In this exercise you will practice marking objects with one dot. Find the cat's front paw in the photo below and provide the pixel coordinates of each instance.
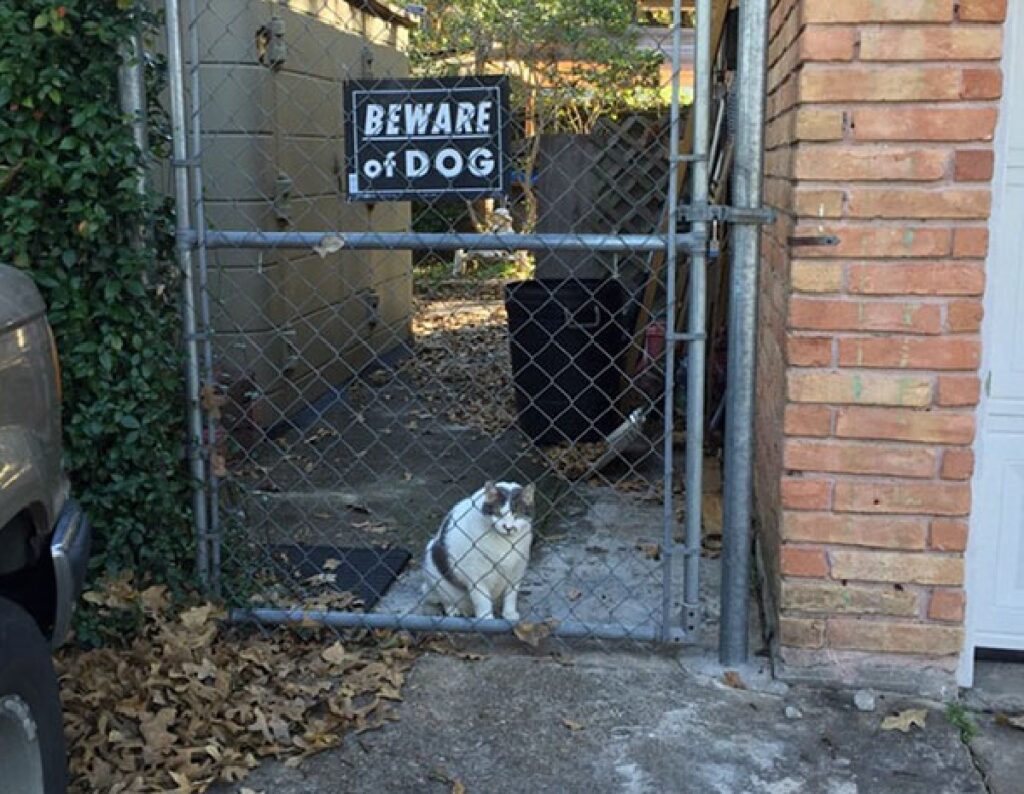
(511, 615)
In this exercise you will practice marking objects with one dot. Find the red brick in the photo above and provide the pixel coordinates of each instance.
(894, 496)
(896, 566)
(964, 316)
(835, 598)
(884, 637)
(849, 458)
(854, 315)
(809, 351)
(970, 241)
(876, 163)
(827, 43)
(862, 388)
(901, 425)
(982, 84)
(875, 11)
(854, 530)
(947, 605)
(911, 43)
(932, 278)
(957, 464)
(806, 562)
(910, 353)
(973, 165)
(808, 420)
(814, 277)
(826, 83)
(801, 632)
(923, 124)
(956, 390)
(873, 241)
(805, 494)
(982, 10)
(815, 124)
(948, 534)
(818, 203)
(917, 203)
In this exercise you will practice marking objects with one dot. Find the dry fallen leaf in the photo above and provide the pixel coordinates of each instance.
(732, 678)
(652, 551)
(534, 633)
(189, 703)
(903, 720)
(1010, 721)
(457, 787)
(335, 654)
(574, 594)
(572, 725)
(196, 617)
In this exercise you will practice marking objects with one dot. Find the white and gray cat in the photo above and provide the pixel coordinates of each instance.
(476, 561)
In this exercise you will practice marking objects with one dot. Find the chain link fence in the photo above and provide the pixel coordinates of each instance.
(434, 313)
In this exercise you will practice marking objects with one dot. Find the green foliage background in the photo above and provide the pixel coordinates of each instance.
(68, 205)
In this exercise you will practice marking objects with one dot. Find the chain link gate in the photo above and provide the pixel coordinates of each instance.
(358, 365)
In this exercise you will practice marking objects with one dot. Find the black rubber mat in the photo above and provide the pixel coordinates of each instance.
(367, 572)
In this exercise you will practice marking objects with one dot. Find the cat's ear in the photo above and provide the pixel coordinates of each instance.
(528, 494)
(492, 499)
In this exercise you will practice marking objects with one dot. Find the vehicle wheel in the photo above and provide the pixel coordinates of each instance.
(32, 755)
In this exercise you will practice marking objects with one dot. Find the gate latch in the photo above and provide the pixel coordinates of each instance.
(721, 213)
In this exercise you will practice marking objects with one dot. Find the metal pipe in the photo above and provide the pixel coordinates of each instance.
(697, 317)
(183, 239)
(204, 293)
(671, 259)
(365, 620)
(746, 241)
(337, 240)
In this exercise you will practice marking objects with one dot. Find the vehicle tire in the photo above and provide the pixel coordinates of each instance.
(33, 759)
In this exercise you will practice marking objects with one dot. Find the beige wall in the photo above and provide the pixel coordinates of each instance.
(289, 324)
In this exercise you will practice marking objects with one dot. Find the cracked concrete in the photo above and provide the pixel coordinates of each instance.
(636, 723)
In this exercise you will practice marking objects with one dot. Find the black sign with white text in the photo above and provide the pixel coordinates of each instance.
(442, 136)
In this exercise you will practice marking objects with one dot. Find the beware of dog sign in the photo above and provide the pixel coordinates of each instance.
(444, 136)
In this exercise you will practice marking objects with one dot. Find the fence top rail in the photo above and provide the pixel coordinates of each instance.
(331, 241)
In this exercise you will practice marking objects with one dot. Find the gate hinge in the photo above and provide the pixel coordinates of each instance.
(271, 48)
(721, 213)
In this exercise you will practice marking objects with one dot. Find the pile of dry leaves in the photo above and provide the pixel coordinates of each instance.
(189, 702)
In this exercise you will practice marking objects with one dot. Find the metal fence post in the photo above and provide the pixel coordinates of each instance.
(697, 316)
(203, 285)
(183, 227)
(671, 258)
(746, 190)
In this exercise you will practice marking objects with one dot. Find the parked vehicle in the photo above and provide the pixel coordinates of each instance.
(44, 544)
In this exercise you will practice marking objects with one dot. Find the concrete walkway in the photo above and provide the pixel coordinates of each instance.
(636, 723)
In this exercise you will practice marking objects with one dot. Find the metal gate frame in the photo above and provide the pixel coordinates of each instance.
(194, 241)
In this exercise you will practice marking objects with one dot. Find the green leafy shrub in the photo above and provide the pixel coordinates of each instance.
(68, 205)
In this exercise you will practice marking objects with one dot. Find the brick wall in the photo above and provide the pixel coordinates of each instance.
(881, 115)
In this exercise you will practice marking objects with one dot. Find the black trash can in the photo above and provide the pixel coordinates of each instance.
(566, 338)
